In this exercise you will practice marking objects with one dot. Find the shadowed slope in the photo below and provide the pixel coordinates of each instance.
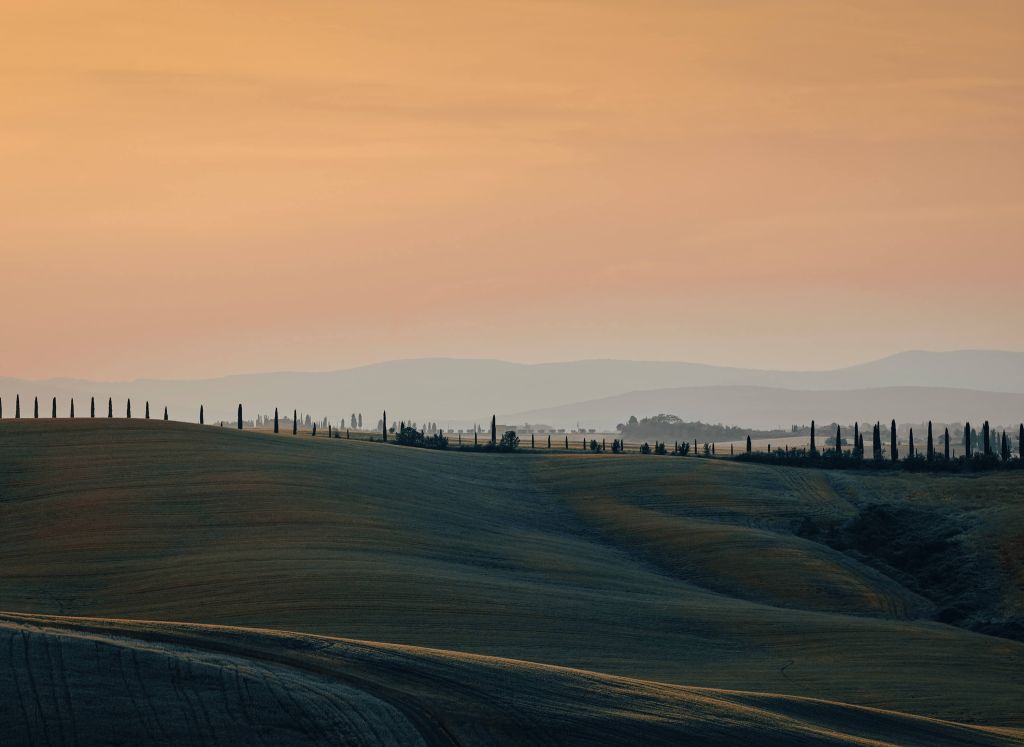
(487, 554)
(90, 681)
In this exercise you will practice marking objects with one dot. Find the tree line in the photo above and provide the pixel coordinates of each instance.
(987, 449)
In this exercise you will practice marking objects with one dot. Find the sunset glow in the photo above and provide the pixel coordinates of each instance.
(200, 188)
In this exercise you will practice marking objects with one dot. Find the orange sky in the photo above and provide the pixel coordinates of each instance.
(196, 188)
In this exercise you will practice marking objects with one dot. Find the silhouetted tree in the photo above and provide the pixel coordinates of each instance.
(361, 420)
(147, 409)
(945, 452)
(967, 439)
(35, 407)
(986, 441)
(814, 447)
(509, 441)
(839, 440)
(930, 446)
(239, 416)
(110, 407)
(384, 425)
(72, 408)
(566, 443)
(750, 448)
(1020, 443)
(128, 412)
(53, 413)
(295, 422)
(17, 406)
(549, 440)
(494, 431)
(894, 451)
(165, 413)
(532, 445)
(910, 445)
(876, 442)
(856, 437)
(314, 430)
(200, 414)
(1005, 450)
(92, 407)
(275, 420)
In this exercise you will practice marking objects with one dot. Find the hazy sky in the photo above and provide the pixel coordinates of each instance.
(194, 188)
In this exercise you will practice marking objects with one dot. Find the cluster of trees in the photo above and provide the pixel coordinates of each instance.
(407, 435)
(671, 427)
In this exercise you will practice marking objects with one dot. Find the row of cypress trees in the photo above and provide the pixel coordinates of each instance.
(987, 448)
(71, 410)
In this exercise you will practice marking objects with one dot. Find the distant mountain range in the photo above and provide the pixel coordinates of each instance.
(767, 408)
(596, 393)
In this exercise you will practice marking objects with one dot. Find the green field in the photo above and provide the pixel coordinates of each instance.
(888, 591)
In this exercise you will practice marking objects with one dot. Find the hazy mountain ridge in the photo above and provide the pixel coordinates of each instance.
(459, 391)
(774, 408)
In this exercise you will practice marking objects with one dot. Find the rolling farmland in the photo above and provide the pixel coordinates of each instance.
(636, 589)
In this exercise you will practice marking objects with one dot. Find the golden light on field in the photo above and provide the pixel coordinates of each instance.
(196, 188)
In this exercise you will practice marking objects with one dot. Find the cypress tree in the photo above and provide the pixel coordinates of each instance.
(986, 439)
(314, 430)
(328, 430)
(53, 413)
(275, 420)
(1, 408)
(856, 436)
(384, 425)
(110, 407)
(946, 449)
(532, 444)
(930, 444)
(910, 445)
(475, 440)
(1005, 448)
(894, 451)
(147, 409)
(129, 411)
(92, 407)
(35, 407)
(967, 439)
(295, 422)
(165, 412)
(17, 405)
(549, 440)
(494, 431)
(749, 447)
(239, 416)
(200, 415)
(72, 408)
(839, 441)
(1020, 443)
(814, 448)
(566, 443)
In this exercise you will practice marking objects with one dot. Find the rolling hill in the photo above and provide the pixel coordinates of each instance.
(876, 591)
(164, 683)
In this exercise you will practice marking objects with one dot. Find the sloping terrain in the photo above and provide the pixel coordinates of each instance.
(685, 571)
(90, 681)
